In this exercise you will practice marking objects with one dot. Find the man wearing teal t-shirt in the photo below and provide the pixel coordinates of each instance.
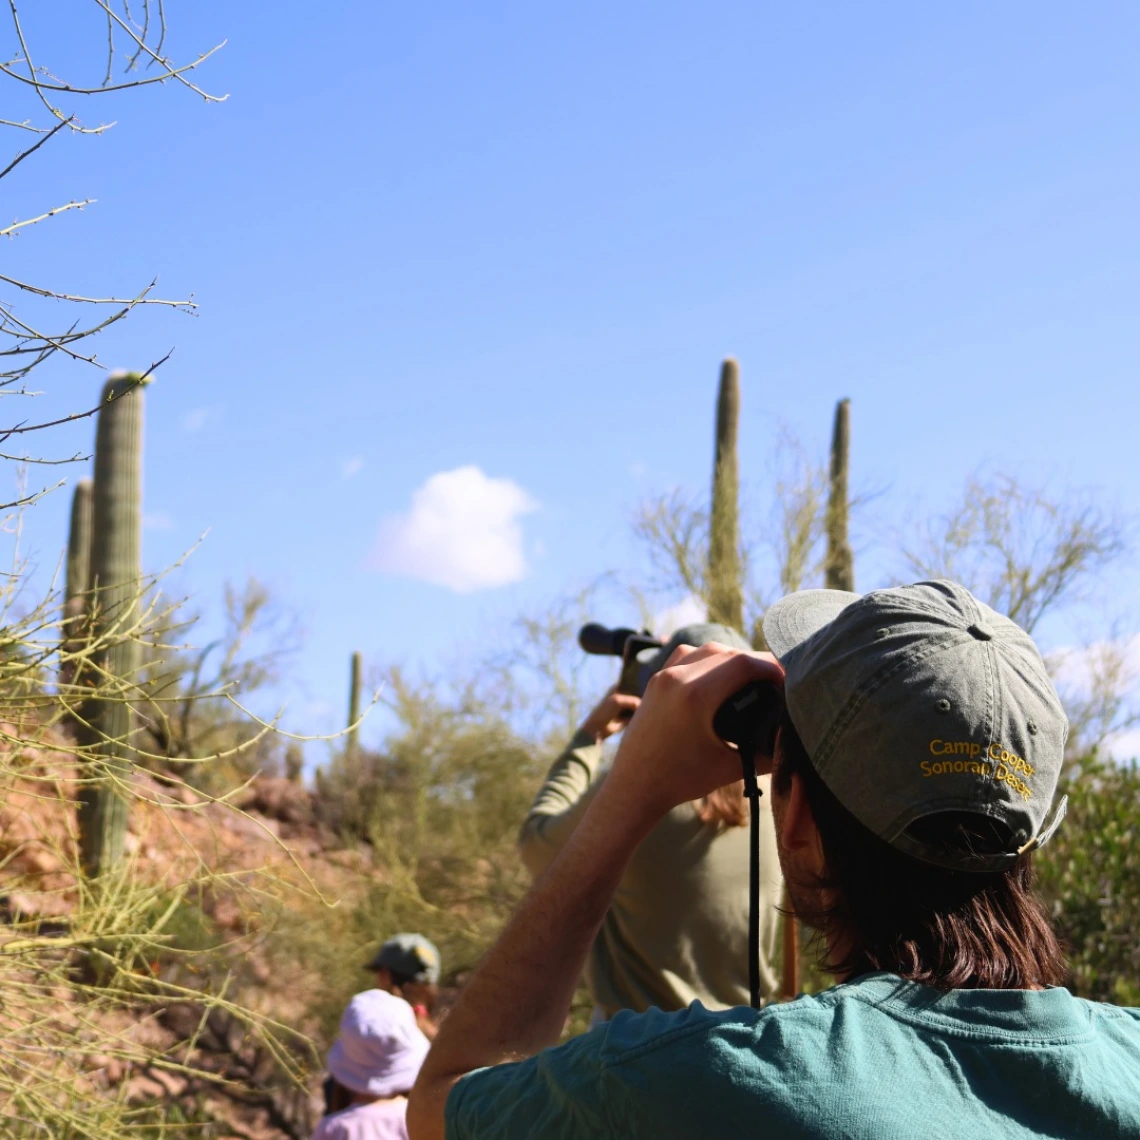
(913, 778)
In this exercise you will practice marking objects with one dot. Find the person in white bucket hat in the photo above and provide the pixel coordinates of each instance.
(375, 1061)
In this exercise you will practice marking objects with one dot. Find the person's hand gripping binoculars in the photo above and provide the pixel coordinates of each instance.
(707, 711)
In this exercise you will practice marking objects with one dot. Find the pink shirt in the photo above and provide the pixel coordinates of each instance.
(380, 1120)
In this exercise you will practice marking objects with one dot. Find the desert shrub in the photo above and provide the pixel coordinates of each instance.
(436, 813)
(1090, 875)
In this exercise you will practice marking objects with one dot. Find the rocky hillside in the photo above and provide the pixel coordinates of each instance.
(260, 866)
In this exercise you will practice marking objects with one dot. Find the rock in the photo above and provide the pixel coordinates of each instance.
(227, 913)
(29, 904)
(144, 1087)
(174, 1084)
(40, 860)
(279, 799)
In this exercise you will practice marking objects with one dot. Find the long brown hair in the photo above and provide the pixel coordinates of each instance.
(943, 928)
(725, 805)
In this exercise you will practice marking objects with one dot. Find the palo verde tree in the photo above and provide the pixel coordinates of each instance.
(1030, 553)
(192, 698)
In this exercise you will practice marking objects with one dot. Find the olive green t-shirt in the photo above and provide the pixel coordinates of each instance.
(677, 929)
(874, 1059)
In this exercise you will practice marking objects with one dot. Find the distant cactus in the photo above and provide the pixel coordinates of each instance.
(79, 541)
(114, 587)
(725, 585)
(75, 608)
(294, 763)
(353, 743)
(839, 571)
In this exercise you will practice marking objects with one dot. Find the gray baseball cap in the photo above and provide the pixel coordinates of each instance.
(411, 956)
(650, 661)
(918, 700)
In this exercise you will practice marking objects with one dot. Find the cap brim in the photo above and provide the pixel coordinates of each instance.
(792, 620)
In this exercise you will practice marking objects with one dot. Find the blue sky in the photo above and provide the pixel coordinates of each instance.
(514, 242)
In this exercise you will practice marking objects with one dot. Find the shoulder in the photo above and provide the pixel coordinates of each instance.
(1124, 1018)
(630, 1036)
(589, 1085)
(331, 1127)
(365, 1122)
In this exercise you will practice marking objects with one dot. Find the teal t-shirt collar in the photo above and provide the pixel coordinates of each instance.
(1021, 1015)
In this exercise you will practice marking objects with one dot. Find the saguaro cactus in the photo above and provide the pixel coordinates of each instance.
(114, 589)
(354, 704)
(75, 608)
(79, 542)
(839, 571)
(725, 588)
(294, 763)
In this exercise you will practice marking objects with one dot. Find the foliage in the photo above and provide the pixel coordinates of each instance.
(1098, 686)
(1090, 875)
(192, 701)
(84, 962)
(439, 806)
(453, 773)
(1021, 550)
(1030, 553)
(93, 970)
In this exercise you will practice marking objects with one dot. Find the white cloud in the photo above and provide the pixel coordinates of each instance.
(351, 467)
(195, 420)
(462, 531)
(638, 470)
(157, 520)
(688, 611)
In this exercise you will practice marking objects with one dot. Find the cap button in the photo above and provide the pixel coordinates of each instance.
(981, 631)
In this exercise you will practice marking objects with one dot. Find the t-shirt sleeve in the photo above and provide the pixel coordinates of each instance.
(593, 1086)
(558, 1095)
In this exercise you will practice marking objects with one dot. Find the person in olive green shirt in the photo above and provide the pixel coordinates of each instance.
(677, 929)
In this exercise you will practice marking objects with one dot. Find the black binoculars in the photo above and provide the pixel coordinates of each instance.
(748, 719)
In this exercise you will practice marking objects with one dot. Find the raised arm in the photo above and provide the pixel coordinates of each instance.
(516, 1002)
(571, 784)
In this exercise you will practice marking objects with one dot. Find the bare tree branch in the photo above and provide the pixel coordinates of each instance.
(1021, 550)
(23, 429)
(31, 339)
(35, 146)
(16, 226)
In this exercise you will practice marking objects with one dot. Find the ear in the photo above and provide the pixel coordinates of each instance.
(799, 836)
